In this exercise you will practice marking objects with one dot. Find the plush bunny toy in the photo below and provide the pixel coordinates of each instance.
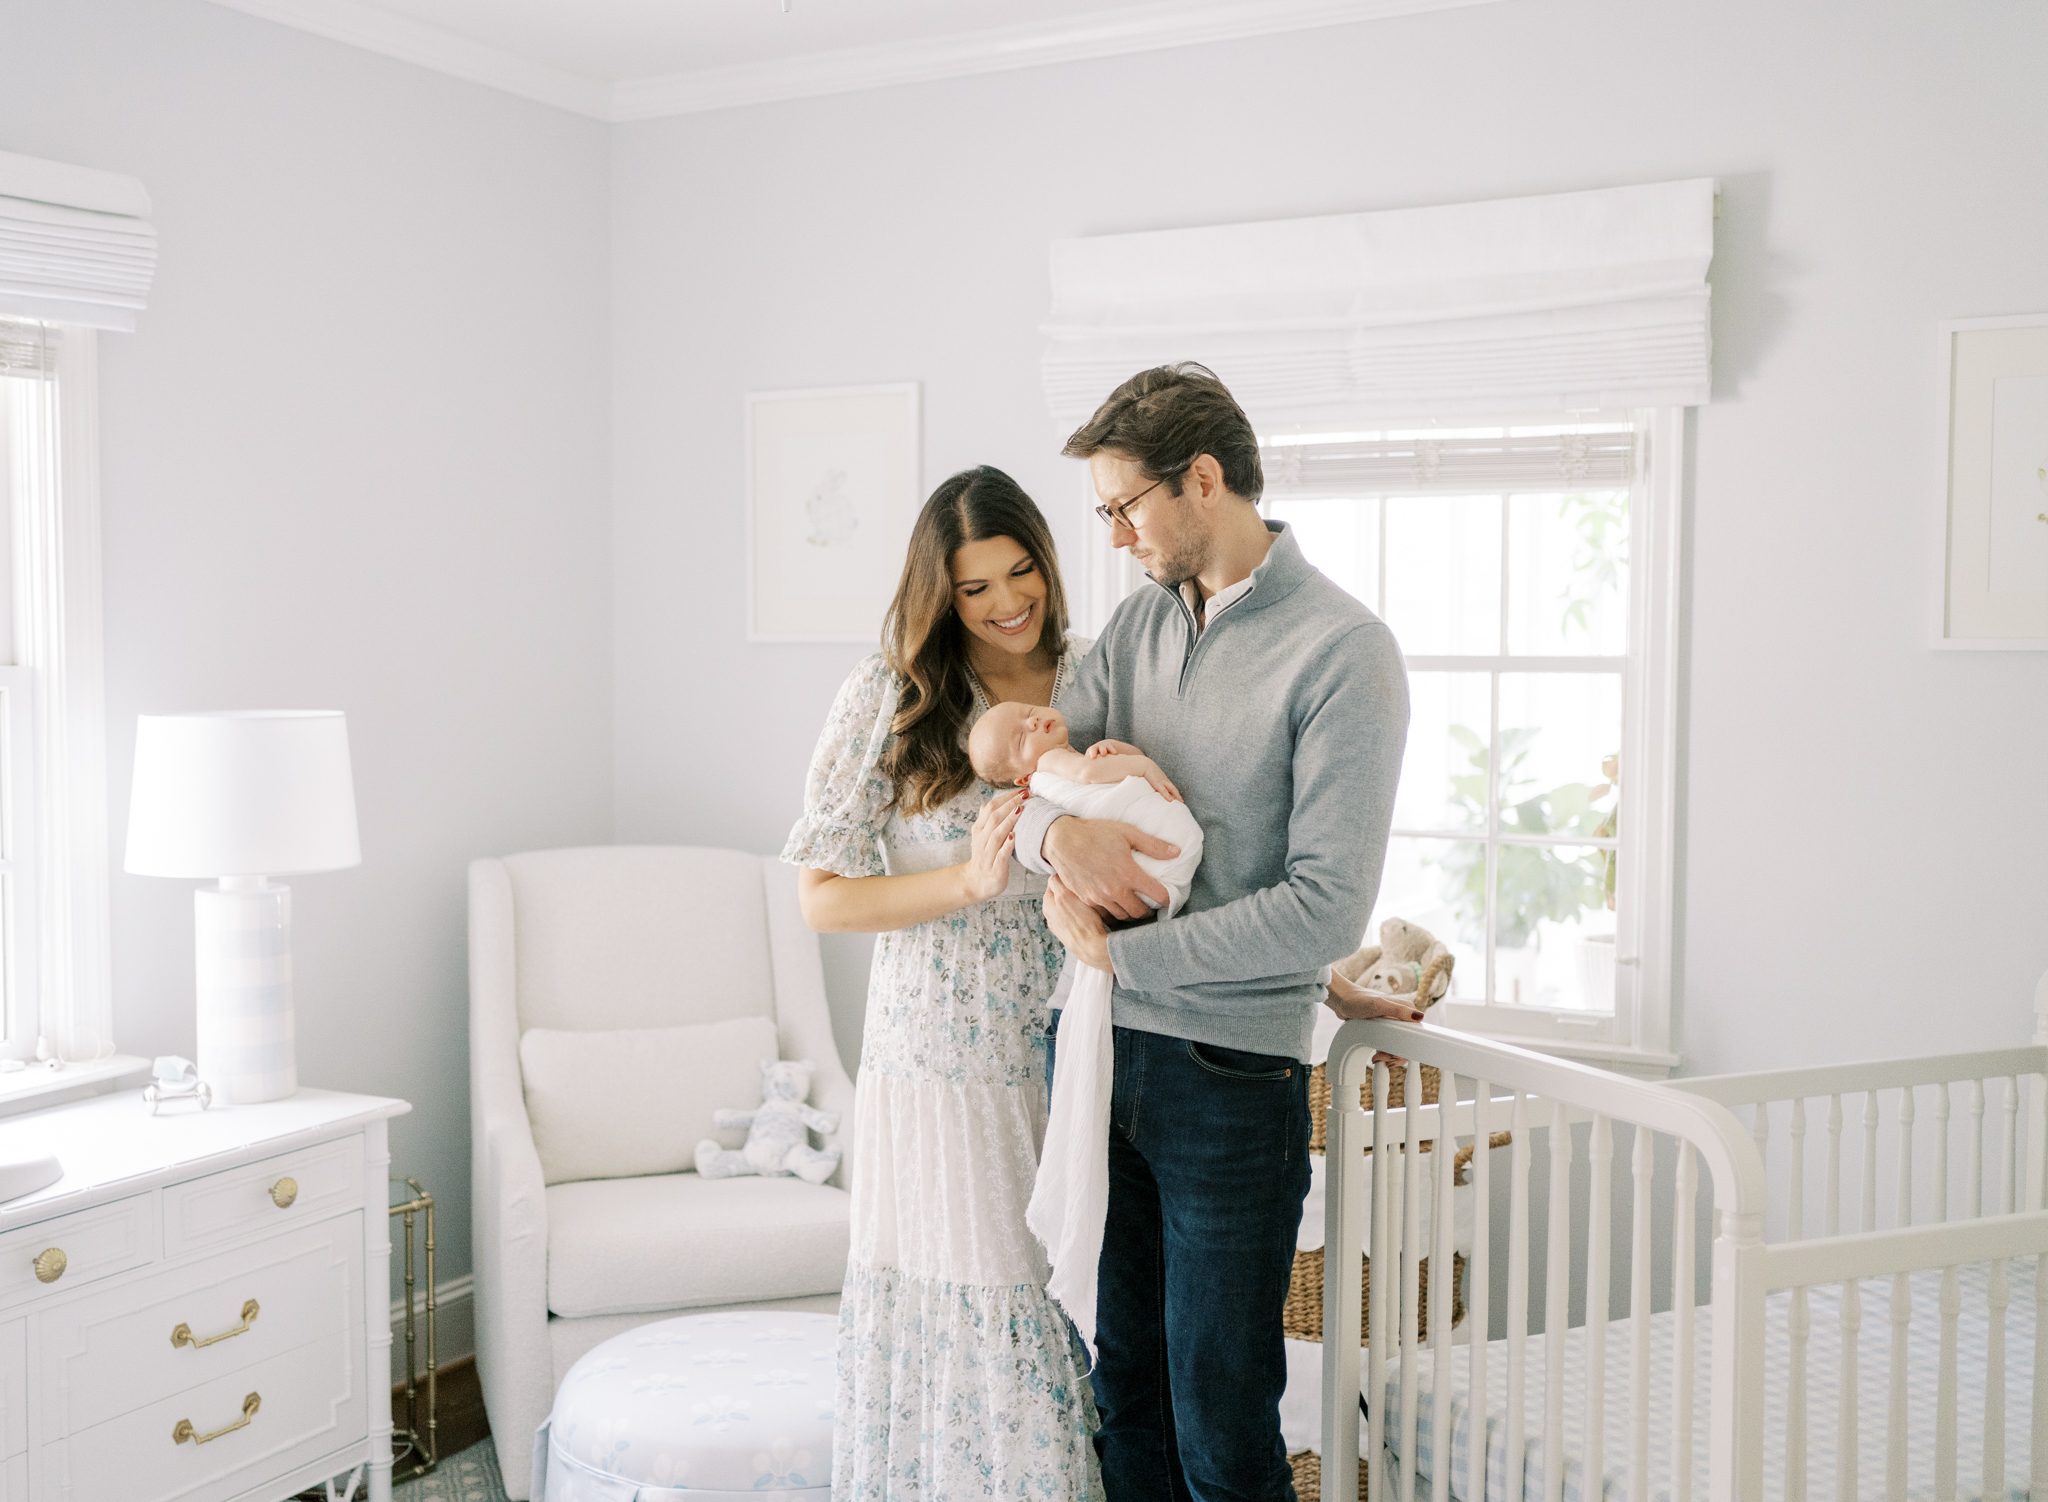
(777, 1142)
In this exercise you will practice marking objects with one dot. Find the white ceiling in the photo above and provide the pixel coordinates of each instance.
(635, 59)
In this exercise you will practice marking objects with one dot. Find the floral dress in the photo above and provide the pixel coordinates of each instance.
(959, 1377)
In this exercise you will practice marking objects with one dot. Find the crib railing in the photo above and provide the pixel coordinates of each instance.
(1989, 1213)
(1972, 1165)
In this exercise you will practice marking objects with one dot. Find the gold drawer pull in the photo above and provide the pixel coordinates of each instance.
(283, 1192)
(50, 1264)
(185, 1431)
(182, 1336)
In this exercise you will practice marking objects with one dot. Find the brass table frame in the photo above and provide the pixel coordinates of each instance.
(422, 1452)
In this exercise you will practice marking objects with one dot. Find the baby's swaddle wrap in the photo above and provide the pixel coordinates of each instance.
(1070, 1200)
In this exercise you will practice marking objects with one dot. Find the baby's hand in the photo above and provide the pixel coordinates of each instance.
(1113, 748)
(1161, 783)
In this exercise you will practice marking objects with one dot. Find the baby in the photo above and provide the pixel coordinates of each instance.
(1013, 741)
(1027, 745)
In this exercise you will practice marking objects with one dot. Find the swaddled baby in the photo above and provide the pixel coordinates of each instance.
(1025, 744)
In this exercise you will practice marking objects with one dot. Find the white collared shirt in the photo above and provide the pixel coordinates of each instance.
(1222, 600)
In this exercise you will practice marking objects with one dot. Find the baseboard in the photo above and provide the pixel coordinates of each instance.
(454, 1326)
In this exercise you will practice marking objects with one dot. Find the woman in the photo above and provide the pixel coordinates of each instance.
(958, 1377)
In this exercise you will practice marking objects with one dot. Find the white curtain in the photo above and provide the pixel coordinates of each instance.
(1523, 306)
(76, 245)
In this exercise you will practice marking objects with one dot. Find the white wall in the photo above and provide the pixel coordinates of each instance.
(356, 457)
(1845, 786)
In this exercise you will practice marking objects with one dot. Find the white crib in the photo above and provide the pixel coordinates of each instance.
(1903, 1361)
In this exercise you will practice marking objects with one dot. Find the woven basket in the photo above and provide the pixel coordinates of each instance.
(1308, 1475)
(1397, 1095)
(1302, 1316)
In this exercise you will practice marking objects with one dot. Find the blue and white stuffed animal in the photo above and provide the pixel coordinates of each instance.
(777, 1142)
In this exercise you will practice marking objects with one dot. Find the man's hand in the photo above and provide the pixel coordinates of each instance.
(1077, 925)
(1093, 859)
(1354, 1003)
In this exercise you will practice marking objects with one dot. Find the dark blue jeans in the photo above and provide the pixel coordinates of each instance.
(1208, 1167)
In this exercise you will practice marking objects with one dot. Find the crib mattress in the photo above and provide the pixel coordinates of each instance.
(1823, 1369)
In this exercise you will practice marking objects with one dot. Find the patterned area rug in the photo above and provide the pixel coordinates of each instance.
(471, 1476)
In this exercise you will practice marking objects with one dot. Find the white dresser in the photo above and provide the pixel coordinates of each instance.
(196, 1310)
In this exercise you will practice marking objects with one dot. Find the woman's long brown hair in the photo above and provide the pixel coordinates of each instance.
(926, 643)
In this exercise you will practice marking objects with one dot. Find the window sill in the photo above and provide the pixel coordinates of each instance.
(35, 1087)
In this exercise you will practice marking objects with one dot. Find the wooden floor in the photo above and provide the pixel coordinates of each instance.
(460, 1408)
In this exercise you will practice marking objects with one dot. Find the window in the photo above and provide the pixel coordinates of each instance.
(1528, 573)
(53, 882)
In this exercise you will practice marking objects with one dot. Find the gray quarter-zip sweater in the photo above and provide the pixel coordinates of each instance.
(1283, 725)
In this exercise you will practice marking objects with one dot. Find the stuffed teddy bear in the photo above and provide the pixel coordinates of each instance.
(1396, 965)
(777, 1143)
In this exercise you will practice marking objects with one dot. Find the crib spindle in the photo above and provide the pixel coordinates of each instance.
(1997, 1297)
(1798, 1318)
(1411, 1278)
(1895, 1415)
(1682, 1295)
(1945, 1391)
(1442, 1290)
(1831, 1211)
(1901, 1314)
(1639, 1317)
(1380, 1268)
(1516, 1459)
(2038, 1477)
(1941, 1154)
(1867, 1218)
(1477, 1309)
(1599, 1238)
(1847, 1433)
(2009, 1165)
(1557, 1314)
(1976, 1166)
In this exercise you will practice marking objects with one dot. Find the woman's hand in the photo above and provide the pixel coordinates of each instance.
(1354, 1003)
(987, 871)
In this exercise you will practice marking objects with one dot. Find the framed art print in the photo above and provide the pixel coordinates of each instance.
(832, 490)
(1995, 520)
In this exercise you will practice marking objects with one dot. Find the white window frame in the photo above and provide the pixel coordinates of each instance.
(1640, 1036)
(53, 806)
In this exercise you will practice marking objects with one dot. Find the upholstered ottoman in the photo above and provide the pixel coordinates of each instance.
(705, 1408)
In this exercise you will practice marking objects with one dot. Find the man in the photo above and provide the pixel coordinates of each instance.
(1279, 705)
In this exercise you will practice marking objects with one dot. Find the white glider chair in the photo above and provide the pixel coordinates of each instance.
(612, 938)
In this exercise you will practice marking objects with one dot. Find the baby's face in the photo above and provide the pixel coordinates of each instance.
(1006, 743)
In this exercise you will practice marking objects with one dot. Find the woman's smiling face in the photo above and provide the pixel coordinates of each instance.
(999, 594)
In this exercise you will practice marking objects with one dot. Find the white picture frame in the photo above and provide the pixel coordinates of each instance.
(833, 487)
(1994, 516)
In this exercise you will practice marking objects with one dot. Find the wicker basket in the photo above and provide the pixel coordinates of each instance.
(1302, 1317)
(1308, 1475)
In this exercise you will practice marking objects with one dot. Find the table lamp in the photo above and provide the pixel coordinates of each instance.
(243, 796)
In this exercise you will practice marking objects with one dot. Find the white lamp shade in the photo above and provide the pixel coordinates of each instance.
(243, 793)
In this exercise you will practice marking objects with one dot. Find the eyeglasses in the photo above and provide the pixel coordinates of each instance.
(1118, 514)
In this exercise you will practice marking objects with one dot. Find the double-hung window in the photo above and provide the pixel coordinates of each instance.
(1528, 572)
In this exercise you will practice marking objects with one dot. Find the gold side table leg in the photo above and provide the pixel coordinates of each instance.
(423, 1449)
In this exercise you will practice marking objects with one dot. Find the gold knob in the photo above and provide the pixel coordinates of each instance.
(283, 1192)
(50, 1264)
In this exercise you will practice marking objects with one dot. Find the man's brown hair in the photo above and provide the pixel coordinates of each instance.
(1165, 418)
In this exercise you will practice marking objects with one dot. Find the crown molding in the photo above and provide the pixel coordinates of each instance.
(381, 32)
(1107, 33)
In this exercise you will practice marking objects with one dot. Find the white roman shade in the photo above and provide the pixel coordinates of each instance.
(1346, 466)
(76, 244)
(1571, 302)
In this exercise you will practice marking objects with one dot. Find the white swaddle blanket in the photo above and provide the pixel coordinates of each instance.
(1070, 1200)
